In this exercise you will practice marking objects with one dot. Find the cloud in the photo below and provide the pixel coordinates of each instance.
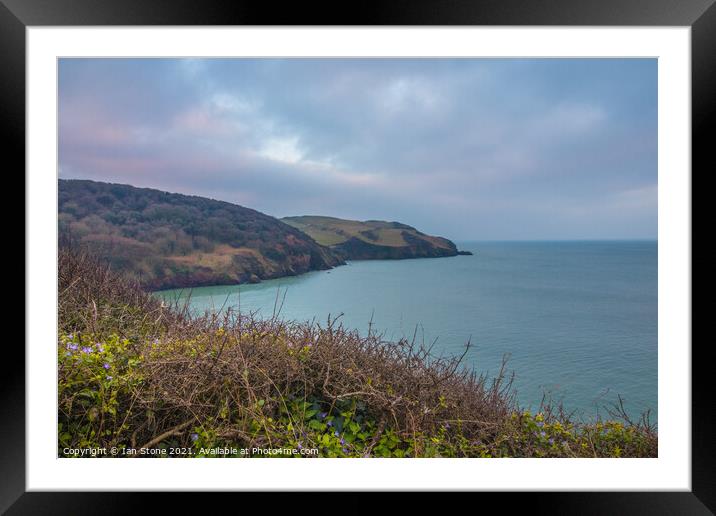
(405, 94)
(468, 148)
(285, 150)
(567, 120)
(642, 198)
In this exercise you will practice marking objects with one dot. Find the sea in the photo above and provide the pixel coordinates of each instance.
(576, 320)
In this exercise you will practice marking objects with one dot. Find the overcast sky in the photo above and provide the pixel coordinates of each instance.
(469, 149)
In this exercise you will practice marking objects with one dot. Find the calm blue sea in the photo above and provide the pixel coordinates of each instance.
(577, 319)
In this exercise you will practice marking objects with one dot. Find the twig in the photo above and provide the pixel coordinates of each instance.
(173, 431)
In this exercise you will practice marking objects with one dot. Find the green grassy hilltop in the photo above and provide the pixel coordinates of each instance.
(372, 239)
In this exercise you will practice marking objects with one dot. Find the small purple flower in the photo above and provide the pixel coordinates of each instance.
(542, 434)
(299, 446)
(194, 437)
(447, 426)
(540, 424)
(106, 365)
(99, 347)
(330, 423)
(322, 415)
(109, 377)
(551, 441)
(345, 450)
(336, 433)
(343, 441)
(86, 349)
(72, 347)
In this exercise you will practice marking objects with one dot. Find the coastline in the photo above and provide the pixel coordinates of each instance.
(262, 280)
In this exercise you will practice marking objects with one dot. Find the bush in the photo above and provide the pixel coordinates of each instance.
(136, 374)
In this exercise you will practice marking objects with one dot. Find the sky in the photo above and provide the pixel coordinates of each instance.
(469, 149)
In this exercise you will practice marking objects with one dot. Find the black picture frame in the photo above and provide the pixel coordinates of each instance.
(17, 15)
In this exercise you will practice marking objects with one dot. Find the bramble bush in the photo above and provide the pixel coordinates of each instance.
(134, 373)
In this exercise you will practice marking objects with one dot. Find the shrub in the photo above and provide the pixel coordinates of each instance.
(134, 373)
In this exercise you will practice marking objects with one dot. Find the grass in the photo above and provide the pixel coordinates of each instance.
(135, 375)
(330, 231)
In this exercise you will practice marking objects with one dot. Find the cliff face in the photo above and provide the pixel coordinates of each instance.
(171, 240)
(243, 268)
(357, 249)
(373, 239)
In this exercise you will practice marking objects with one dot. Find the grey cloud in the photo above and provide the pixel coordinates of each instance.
(468, 148)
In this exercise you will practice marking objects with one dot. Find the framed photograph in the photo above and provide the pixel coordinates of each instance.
(427, 248)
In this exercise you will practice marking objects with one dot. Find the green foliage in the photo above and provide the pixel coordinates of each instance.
(95, 380)
(101, 382)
